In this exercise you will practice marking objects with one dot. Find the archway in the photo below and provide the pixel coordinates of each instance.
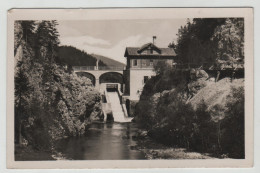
(111, 77)
(89, 76)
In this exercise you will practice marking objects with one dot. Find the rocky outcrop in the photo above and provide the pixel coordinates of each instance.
(189, 113)
(198, 81)
(215, 94)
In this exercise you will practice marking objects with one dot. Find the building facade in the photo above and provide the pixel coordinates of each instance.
(140, 66)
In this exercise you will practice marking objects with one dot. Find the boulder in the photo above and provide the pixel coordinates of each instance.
(201, 74)
(197, 74)
(196, 85)
(141, 134)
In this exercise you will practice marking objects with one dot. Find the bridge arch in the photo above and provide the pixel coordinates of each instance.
(111, 77)
(89, 76)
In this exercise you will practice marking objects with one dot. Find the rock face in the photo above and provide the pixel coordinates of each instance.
(214, 95)
(191, 110)
(141, 134)
(195, 86)
(201, 74)
(197, 74)
(198, 81)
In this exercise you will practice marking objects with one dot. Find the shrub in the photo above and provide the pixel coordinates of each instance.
(233, 135)
(171, 120)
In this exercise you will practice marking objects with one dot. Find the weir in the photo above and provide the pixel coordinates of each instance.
(116, 107)
(113, 105)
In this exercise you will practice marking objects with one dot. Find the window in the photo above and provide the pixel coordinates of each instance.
(146, 79)
(143, 62)
(151, 62)
(135, 62)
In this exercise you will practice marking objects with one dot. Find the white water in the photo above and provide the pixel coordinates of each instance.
(116, 107)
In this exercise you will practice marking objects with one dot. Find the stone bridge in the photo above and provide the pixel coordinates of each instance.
(96, 73)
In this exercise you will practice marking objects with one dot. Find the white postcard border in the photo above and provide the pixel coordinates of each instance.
(127, 14)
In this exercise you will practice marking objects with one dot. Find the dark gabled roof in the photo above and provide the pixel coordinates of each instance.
(137, 51)
(133, 51)
(149, 45)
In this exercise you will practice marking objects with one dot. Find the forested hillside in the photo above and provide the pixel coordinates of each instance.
(187, 108)
(108, 61)
(74, 57)
(50, 102)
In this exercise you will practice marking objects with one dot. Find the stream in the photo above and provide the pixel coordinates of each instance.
(103, 141)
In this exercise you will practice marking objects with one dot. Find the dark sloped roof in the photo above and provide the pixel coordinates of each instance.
(145, 45)
(149, 45)
(137, 51)
(133, 51)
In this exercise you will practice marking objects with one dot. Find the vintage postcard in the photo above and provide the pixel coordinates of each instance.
(130, 88)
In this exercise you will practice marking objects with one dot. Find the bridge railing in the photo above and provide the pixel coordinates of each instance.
(83, 67)
(114, 68)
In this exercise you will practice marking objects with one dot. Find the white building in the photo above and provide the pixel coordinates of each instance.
(140, 66)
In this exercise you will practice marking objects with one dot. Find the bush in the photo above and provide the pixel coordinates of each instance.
(233, 128)
(50, 101)
(170, 119)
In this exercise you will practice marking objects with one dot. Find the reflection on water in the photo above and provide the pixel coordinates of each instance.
(110, 141)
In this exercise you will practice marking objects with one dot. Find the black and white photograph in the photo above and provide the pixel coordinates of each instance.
(139, 88)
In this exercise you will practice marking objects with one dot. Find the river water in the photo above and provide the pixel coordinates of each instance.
(103, 141)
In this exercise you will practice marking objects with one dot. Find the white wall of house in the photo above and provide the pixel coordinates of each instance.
(137, 81)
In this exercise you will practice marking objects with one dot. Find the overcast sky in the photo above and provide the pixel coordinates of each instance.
(111, 37)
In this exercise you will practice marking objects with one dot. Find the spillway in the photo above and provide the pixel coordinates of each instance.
(117, 108)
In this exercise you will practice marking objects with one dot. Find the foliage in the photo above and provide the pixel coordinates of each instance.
(171, 119)
(50, 102)
(209, 40)
(230, 40)
(166, 79)
(161, 67)
(233, 124)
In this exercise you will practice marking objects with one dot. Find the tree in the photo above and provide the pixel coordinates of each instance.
(50, 101)
(24, 35)
(230, 40)
(233, 138)
(207, 40)
(47, 41)
(72, 56)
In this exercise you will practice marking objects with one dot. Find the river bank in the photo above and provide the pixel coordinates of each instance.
(155, 150)
(108, 141)
(27, 153)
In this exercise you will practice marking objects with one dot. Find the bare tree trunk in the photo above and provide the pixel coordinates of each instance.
(19, 120)
(203, 144)
(20, 133)
(219, 136)
(18, 45)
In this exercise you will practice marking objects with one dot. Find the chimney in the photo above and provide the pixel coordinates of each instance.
(154, 37)
(97, 62)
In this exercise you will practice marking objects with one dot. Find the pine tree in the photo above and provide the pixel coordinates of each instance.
(209, 40)
(24, 35)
